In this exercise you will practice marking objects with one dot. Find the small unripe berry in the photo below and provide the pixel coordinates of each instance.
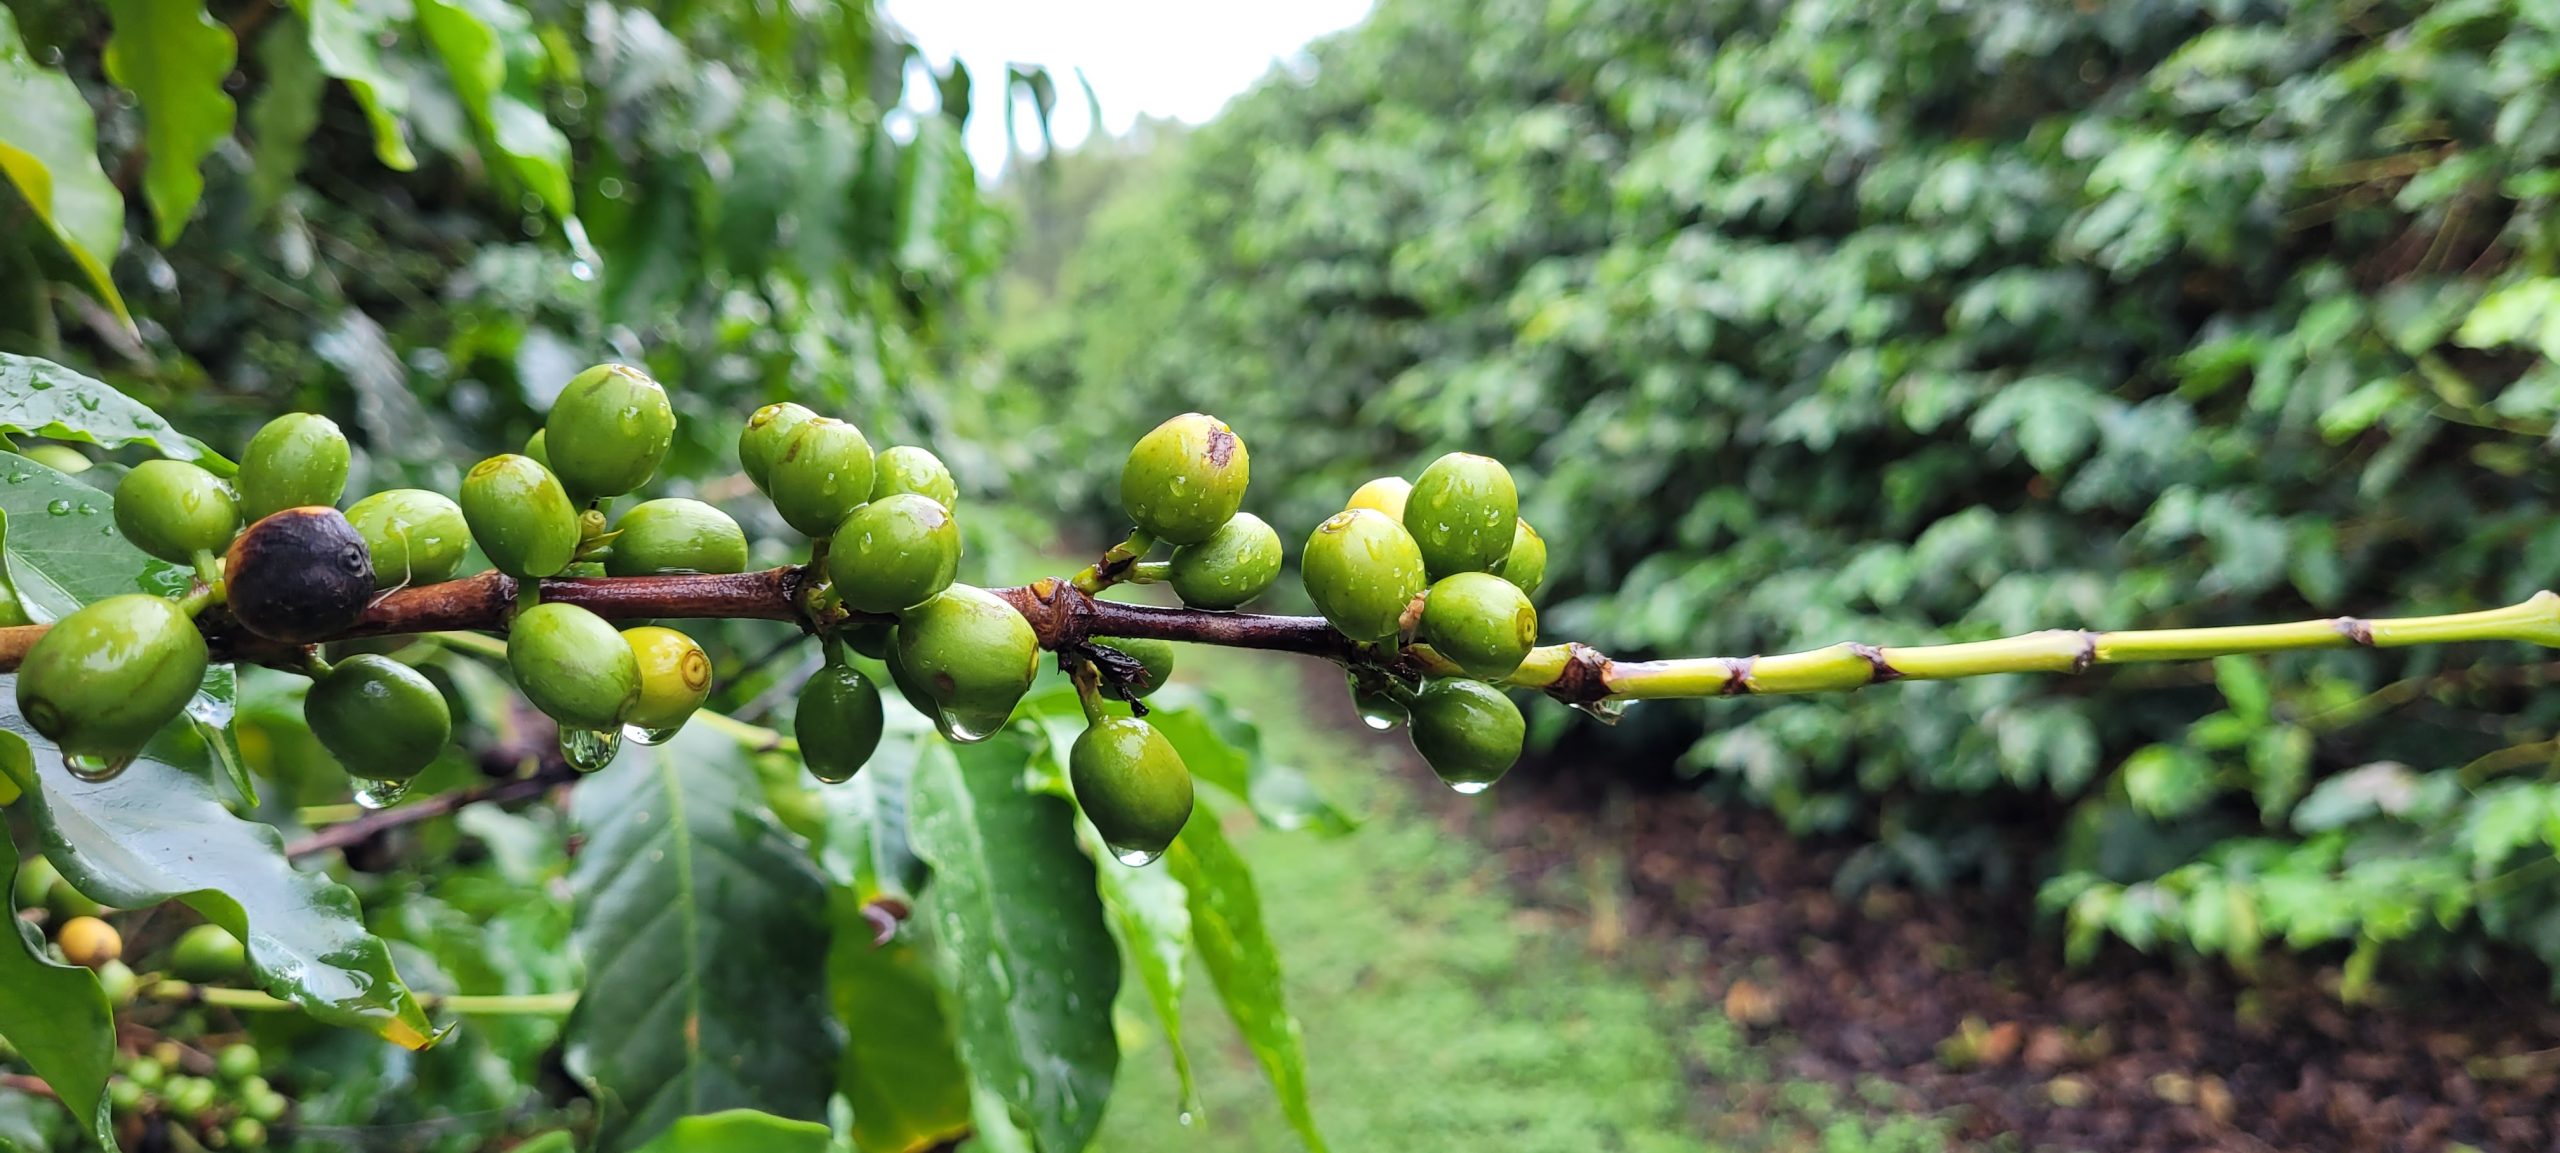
(117, 981)
(247, 1134)
(675, 535)
(1362, 570)
(236, 1063)
(298, 459)
(61, 458)
(415, 537)
(573, 666)
(538, 447)
(760, 444)
(837, 723)
(1526, 567)
(973, 654)
(521, 516)
(190, 1098)
(1480, 621)
(174, 510)
(1185, 478)
(125, 1095)
(608, 431)
(381, 719)
(871, 638)
(1156, 655)
(1230, 568)
(675, 677)
(101, 681)
(1463, 512)
(299, 576)
(36, 877)
(147, 1072)
(1386, 494)
(266, 1105)
(88, 942)
(208, 953)
(824, 473)
(906, 468)
(1132, 785)
(893, 554)
(1468, 731)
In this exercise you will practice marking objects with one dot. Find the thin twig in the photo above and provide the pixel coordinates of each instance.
(365, 828)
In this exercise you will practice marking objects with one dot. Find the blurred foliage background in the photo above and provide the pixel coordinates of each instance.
(1905, 322)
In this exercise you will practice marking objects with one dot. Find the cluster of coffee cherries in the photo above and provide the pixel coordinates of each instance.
(219, 1097)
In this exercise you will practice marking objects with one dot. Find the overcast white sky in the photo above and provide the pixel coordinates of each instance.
(1179, 58)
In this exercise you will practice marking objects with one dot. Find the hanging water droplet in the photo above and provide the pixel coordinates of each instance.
(965, 727)
(827, 775)
(1377, 710)
(588, 750)
(582, 270)
(58, 507)
(94, 769)
(640, 736)
(1605, 712)
(1185, 1117)
(1135, 858)
(374, 794)
(1468, 788)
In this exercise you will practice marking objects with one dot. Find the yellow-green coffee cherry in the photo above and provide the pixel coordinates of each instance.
(415, 537)
(1386, 494)
(538, 447)
(9, 790)
(1526, 567)
(174, 510)
(1482, 622)
(298, 459)
(88, 942)
(1468, 731)
(573, 666)
(837, 723)
(608, 431)
(760, 444)
(118, 981)
(381, 719)
(102, 680)
(1362, 569)
(36, 877)
(973, 654)
(823, 474)
(675, 678)
(1131, 785)
(1463, 512)
(41, 886)
(237, 1062)
(1155, 655)
(675, 535)
(1230, 568)
(299, 576)
(208, 953)
(906, 468)
(520, 515)
(893, 554)
(61, 458)
(1185, 478)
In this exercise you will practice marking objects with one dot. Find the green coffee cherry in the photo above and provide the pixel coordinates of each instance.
(208, 953)
(117, 980)
(1482, 622)
(298, 459)
(973, 655)
(147, 1072)
(893, 554)
(415, 537)
(1362, 570)
(125, 1095)
(871, 638)
(236, 1063)
(101, 681)
(88, 942)
(61, 458)
(674, 535)
(1230, 568)
(1185, 478)
(766, 432)
(520, 515)
(906, 468)
(675, 678)
(1526, 567)
(1468, 731)
(573, 666)
(1131, 785)
(269, 1106)
(608, 431)
(1463, 512)
(299, 576)
(837, 723)
(247, 1134)
(381, 719)
(823, 474)
(538, 446)
(190, 1098)
(911, 689)
(174, 510)
(1386, 494)
(1156, 655)
(36, 877)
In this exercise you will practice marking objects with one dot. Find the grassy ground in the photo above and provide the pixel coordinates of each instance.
(1441, 1014)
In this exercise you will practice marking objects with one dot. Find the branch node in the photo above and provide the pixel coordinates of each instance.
(1584, 679)
(2357, 630)
(1737, 679)
(2088, 654)
(1880, 670)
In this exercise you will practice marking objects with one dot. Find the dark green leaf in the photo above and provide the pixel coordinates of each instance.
(347, 38)
(285, 110)
(62, 547)
(1226, 926)
(704, 934)
(1023, 943)
(477, 38)
(174, 59)
(1149, 911)
(41, 398)
(157, 832)
(57, 1017)
(49, 148)
(866, 847)
(901, 1071)
(740, 1131)
(1226, 750)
